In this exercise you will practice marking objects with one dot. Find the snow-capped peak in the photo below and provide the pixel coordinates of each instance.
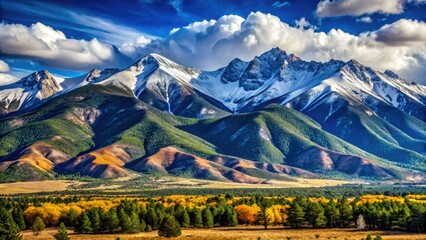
(37, 78)
(241, 86)
(29, 91)
(391, 74)
(99, 75)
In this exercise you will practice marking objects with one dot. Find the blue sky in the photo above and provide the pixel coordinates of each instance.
(116, 33)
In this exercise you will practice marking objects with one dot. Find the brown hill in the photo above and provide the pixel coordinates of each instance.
(263, 168)
(35, 162)
(318, 158)
(106, 162)
(38, 155)
(170, 160)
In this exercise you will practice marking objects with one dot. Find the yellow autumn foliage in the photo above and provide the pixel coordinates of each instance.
(247, 214)
(277, 214)
(49, 212)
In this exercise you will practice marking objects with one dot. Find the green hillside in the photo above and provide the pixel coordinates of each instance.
(275, 134)
(95, 117)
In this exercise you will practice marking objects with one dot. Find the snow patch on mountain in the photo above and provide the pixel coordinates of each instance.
(274, 76)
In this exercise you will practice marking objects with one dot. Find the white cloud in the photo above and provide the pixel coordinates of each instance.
(104, 29)
(6, 79)
(402, 32)
(336, 8)
(302, 23)
(51, 47)
(129, 48)
(213, 44)
(400, 46)
(4, 67)
(364, 19)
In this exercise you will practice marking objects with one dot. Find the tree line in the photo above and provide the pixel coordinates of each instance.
(169, 216)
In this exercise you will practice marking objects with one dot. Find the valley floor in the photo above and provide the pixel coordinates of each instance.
(243, 232)
(165, 182)
(37, 186)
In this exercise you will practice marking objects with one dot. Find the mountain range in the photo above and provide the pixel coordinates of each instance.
(276, 117)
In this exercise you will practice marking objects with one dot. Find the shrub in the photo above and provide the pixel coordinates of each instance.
(38, 226)
(62, 233)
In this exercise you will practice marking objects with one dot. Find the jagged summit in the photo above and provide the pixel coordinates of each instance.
(243, 86)
(391, 74)
(98, 75)
(43, 82)
(29, 91)
(37, 78)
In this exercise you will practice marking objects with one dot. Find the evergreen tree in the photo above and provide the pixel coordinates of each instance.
(229, 217)
(142, 214)
(142, 226)
(169, 227)
(198, 219)
(184, 219)
(262, 216)
(38, 226)
(384, 219)
(9, 230)
(151, 218)
(135, 226)
(403, 217)
(315, 215)
(295, 215)
(417, 222)
(345, 210)
(18, 217)
(125, 221)
(62, 233)
(159, 210)
(95, 219)
(332, 214)
(217, 212)
(370, 216)
(208, 221)
(181, 215)
(83, 224)
(71, 218)
(112, 223)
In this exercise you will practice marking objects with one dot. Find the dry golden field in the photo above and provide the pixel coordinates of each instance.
(36, 186)
(243, 232)
(164, 182)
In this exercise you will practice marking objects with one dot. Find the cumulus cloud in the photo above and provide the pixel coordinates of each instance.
(52, 48)
(402, 32)
(364, 19)
(302, 23)
(336, 8)
(400, 46)
(129, 48)
(4, 67)
(6, 79)
(213, 44)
